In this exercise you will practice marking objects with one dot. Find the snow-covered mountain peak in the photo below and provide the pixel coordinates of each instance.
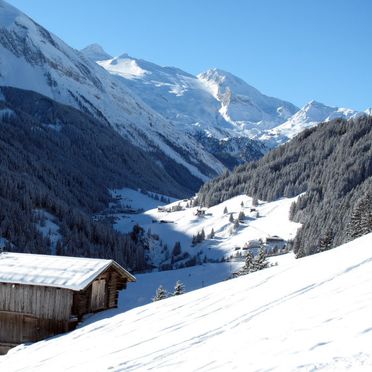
(8, 14)
(95, 52)
(308, 116)
(124, 66)
(32, 58)
(124, 56)
(225, 80)
(243, 105)
(314, 111)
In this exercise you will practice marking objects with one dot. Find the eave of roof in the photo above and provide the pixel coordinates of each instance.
(52, 271)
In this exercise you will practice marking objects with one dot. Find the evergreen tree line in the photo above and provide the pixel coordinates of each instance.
(330, 163)
(248, 149)
(161, 293)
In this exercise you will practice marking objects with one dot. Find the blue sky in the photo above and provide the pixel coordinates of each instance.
(296, 50)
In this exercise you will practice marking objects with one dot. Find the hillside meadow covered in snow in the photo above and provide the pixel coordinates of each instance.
(228, 228)
(308, 314)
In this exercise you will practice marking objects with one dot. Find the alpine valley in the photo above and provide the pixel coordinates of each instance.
(186, 181)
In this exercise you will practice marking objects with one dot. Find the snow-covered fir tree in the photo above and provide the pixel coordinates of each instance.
(160, 294)
(179, 288)
(260, 262)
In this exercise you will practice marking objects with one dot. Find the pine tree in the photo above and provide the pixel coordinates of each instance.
(211, 235)
(236, 224)
(366, 217)
(260, 262)
(179, 288)
(326, 241)
(160, 294)
(202, 235)
(255, 201)
(241, 216)
(248, 261)
(248, 265)
(355, 224)
(225, 211)
(176, 249)
(194, 240)
(231, 218)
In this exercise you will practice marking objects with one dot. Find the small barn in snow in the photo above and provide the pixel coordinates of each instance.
(274, 244)
(41, 296)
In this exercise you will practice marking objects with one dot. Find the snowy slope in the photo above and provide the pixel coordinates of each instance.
(33, 59)
(269, 219)
(309, 116)
(143, 290)
(311, 314)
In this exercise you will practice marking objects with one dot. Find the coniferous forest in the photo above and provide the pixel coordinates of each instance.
(58, 159)
(329, 165)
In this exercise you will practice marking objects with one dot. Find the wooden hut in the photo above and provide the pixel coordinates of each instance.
(41, 296)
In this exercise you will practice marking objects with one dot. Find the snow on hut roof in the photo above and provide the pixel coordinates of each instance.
(73, 273)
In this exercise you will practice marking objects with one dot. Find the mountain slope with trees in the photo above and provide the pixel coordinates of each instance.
(331, 164)
(32, 58)
(58, 159)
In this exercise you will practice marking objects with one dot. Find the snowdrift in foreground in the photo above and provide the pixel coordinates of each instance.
(313, 313)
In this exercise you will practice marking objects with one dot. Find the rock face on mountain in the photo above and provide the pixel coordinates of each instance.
(32, 58)
(244, 106)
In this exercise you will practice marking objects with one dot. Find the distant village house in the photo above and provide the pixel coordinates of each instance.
(275, 244)
(200, 212)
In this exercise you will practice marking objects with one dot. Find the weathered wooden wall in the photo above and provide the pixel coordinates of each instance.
(17, 328)
(88, 300)
(42, 302)
(31, 313)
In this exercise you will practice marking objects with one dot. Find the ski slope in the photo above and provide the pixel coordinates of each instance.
(306, 315)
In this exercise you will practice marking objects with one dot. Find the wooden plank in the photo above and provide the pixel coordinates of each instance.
(43, 302)
(98, 295)
(19, 328)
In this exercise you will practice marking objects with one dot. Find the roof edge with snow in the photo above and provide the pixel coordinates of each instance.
(74, 273)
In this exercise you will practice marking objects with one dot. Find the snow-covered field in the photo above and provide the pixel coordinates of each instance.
(268, 219)
(306, 315)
